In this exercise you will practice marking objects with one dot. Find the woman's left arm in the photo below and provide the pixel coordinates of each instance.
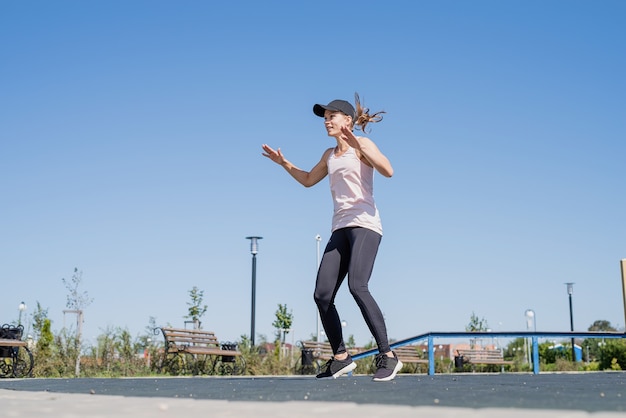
(368, 150)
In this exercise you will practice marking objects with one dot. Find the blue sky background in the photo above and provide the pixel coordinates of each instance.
(131, 149)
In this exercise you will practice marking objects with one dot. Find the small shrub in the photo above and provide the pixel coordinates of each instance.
(615, 365)
(563, 365)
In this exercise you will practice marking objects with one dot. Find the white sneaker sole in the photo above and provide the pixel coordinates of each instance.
(393, 374)
(345, 370)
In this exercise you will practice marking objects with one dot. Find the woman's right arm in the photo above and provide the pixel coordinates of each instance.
(305, 178)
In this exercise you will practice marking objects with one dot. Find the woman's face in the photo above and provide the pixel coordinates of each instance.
(333, 121)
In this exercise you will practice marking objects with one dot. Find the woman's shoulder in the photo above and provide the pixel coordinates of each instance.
(327, 152)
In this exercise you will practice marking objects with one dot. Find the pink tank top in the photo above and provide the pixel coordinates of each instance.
(352, 189)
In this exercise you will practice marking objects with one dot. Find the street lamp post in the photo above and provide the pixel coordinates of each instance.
(254, 249)
(570, 292)
(318, 239)
(21, 308)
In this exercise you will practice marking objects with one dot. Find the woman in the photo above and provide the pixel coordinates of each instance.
(356, 229)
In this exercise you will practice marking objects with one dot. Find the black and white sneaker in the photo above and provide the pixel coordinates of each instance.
(335, 368)
(386, 367)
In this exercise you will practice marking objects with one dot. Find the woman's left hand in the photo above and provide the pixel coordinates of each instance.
(366, 149)
(350, 138)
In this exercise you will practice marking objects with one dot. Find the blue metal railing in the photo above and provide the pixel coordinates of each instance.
(533, 335)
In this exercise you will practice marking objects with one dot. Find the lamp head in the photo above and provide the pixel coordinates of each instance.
(254, 244)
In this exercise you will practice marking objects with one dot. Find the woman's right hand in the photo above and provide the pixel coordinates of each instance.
(274, 155)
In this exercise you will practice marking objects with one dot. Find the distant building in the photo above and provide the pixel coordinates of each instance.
(578, 350)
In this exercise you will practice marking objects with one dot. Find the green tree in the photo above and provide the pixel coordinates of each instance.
(126, 349)
(602, 325)
(39, 318)
(152, 328)
(612, 355)
(476, 325)
(151, 342)
(549, 353)
(44, 351)
(516, 350)
(196, 308)
(77, 301)
(105, 350)
(283, 322)
(592, 347)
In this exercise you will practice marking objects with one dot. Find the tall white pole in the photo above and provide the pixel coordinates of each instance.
(623, 263)
(318, 239)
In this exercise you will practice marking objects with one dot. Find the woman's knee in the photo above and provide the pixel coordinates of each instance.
(359, 291)
(321, 300)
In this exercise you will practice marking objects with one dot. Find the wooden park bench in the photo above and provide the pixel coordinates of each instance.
(483, 356)
(16, 360)
(410, 355)
(314, 354)
(199, 352)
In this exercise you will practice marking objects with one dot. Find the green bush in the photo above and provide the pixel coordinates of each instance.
(116, 353)
(612, 355)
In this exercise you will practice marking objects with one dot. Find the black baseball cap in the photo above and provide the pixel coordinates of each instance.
(335, 106)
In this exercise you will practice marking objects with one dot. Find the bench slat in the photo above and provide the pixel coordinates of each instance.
(323, 350)
(193, 340)
(194, 349)
(5, 342)
(483, 357)
(409, 354)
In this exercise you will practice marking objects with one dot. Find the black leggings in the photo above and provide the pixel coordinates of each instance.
(350, 251)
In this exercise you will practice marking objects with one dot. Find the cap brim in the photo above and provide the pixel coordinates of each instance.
(319, 110)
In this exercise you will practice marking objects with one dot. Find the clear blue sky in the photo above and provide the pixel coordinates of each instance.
(131, 137)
